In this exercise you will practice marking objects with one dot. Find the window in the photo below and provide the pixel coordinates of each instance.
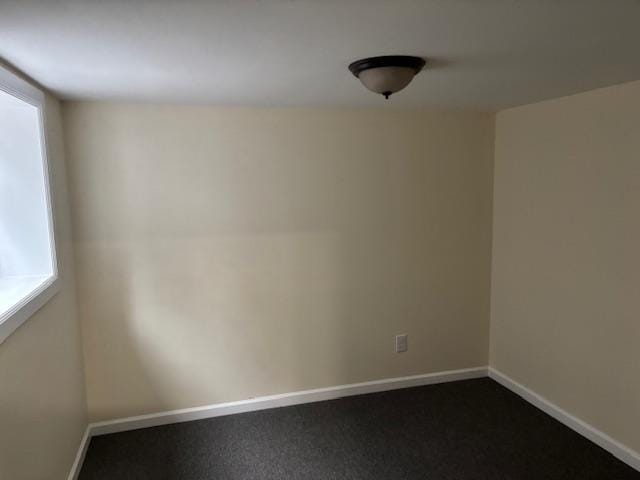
(28, 270)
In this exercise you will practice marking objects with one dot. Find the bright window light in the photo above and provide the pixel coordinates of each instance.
(28, 270)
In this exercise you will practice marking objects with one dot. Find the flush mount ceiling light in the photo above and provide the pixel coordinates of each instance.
(388, 74)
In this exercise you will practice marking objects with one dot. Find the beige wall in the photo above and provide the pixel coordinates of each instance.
(566, 266)
(43, 412)
(228, 253)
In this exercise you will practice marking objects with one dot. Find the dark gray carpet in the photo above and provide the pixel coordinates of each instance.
(473, 429)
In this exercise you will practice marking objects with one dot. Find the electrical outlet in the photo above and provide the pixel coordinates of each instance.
(402, 344)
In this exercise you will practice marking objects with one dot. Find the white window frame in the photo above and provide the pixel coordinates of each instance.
(31, 303)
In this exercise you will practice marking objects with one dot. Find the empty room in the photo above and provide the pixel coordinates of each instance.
(319, 239)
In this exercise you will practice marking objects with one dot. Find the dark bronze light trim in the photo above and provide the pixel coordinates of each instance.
(416, 63)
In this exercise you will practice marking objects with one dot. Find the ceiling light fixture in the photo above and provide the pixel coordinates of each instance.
(388, 74)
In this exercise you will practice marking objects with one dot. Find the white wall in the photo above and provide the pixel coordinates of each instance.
(43, 410)
(565, 316)
(228, 253)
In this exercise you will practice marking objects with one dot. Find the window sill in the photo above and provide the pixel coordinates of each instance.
(21, 297)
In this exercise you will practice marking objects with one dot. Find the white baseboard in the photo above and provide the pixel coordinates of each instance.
(282, 400)
(82, 451)
(627, 455)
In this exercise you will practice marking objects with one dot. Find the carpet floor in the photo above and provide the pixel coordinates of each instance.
(471, 430)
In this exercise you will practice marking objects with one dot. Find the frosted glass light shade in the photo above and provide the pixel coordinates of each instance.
(387, 80)
(387, 74)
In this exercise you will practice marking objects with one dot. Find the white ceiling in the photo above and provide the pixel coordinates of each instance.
(487, 54)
